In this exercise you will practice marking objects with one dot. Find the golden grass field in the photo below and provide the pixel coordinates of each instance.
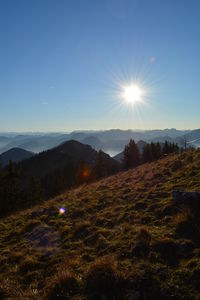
(120, 237)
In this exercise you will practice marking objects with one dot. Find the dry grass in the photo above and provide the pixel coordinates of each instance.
(104, 279)
(130, 216)
(63, 285)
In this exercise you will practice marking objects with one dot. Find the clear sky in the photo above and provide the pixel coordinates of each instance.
(62, 63)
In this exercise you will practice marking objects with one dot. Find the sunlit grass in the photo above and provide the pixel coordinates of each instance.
(104, 218)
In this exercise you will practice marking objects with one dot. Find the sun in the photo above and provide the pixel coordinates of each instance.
(132, 93)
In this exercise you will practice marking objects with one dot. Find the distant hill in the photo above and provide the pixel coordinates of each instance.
(35, 143)
(58, 168)
(119, 157)
(93, 141)
(55, 158)
(4, 141)
(193, 138)
(14, 154)
(126, 237)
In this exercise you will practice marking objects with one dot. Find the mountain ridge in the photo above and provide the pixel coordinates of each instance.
(110, 141)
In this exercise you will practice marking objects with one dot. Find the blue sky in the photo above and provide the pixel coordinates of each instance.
(62, 64)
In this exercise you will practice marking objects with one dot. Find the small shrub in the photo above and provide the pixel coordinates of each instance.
(103, 278)
(62, 286)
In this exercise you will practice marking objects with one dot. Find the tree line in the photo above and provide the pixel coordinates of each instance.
(13, 195)
(151, 152)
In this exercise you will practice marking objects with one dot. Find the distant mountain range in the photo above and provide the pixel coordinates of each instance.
(110, 141)
(14, 154)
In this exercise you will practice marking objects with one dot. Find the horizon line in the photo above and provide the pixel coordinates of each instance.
(92, 130)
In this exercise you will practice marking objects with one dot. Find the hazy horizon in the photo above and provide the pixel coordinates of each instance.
(93, 130)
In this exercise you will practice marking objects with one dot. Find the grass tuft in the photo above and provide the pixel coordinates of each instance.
(63, 286)
(103, 279)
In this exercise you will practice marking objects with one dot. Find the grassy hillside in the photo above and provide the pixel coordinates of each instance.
(120, 238)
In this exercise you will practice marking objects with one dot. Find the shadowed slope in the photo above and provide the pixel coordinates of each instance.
(68, 152)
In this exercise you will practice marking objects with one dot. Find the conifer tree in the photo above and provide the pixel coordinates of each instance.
(100, 168)
(158, 150)
(131, 155)
(166, 148)
(147, 154)
(34, 191)
(11, 188)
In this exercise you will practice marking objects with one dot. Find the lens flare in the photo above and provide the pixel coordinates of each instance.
(62, 211)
